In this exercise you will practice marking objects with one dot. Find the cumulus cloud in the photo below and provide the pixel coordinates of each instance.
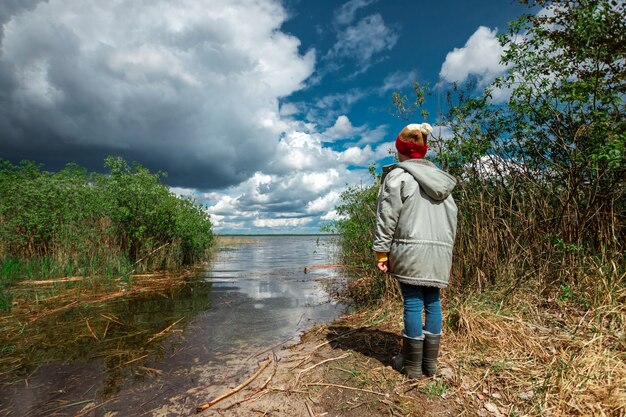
(179, 86)
(323, 204)
(479, 57)
(299, 188)
(273, 223)
(342, 129)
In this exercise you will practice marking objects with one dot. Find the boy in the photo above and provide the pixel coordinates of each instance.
(415, 231)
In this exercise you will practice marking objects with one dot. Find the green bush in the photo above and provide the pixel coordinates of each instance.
(357, 208)
(77, 223)
(542, 188)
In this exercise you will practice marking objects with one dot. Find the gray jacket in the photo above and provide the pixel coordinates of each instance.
(416, 223)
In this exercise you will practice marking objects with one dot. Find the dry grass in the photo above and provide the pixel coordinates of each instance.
(538, 359)
(90, 290)
(522, 353)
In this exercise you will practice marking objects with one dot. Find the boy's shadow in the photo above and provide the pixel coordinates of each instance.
(374, 343)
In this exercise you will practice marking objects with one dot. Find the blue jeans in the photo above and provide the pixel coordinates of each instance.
(417, 298)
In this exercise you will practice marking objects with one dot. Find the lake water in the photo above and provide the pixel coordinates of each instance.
(252, 297)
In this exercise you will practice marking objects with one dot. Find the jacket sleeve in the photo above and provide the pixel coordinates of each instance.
(388, 211)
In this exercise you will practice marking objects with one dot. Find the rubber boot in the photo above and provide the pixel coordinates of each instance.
(409, 361)
(431, 352)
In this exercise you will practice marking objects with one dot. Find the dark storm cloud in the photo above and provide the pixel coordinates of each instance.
(175, 87)
(10, 8)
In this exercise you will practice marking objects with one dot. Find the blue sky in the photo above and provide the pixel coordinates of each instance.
(263, 110)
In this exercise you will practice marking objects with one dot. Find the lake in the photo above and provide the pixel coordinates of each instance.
(252, 297)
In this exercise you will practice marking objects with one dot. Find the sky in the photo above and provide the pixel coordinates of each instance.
(263, 110)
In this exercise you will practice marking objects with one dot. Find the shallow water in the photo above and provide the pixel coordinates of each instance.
(251, 298)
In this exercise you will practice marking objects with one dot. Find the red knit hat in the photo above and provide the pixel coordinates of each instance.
(412, 149)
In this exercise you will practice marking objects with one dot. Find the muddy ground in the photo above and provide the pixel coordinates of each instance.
(340, 369)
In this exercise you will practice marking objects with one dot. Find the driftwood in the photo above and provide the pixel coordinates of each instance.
(237, 388)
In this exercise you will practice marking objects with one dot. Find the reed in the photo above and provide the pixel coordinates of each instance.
(77, 223)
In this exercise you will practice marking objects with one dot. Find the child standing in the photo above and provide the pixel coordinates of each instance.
(415, 231)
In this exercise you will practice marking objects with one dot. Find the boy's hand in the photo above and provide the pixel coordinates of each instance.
(383, 266)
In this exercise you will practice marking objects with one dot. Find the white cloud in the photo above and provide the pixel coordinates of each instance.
(332, 216)
(398, 80)
(297, 190)
(295, 222)
(289, 109)
(373, 136)
(346, 13)
(357, 156)
(479, 57)
(370, 36)
(300, 151)
(225, 206)
(324, 203)
(342, 129)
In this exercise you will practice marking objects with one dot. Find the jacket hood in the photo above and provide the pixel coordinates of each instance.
(437, 184)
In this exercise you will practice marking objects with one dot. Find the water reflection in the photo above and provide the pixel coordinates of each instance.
(251, 296)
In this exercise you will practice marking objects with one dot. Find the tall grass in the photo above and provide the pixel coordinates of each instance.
(508, 239)
(77, 223)
(533, 315)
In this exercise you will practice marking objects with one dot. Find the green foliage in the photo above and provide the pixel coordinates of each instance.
(402, 107)
(356, 229)
(73, 222)
(540, 155)
(356, 236)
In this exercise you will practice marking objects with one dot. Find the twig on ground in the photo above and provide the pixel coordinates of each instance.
(334, 339)
(321, 384)
(269, 378)
(258, 393)
(295, 384)
(237, 388)
(112, 318)
(106, 329)
(309, 408)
